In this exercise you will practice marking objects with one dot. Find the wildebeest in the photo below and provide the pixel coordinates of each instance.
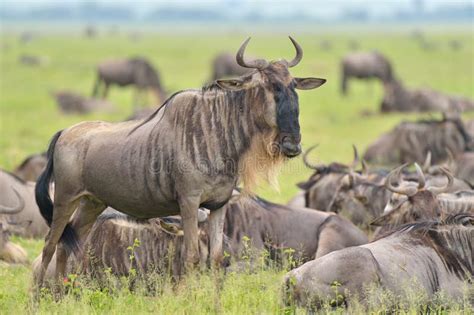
(14, 190)
(325, 45)
(364, 65)
(310, 233)
(464, 167)
(190, 153)
(31, 60)
(414, 201)
(224, 65)
(401, 99)
(27, 37)
(10, 253)
(455, 44)
(71, 102)
(90, 31)
(31, 168)
(427, 257)
(411, 141)
(137, 71)
(160, 247)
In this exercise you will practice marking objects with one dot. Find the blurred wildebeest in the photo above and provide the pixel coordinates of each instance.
(31, 60)
(414, 201)
(427, 45)
(411, 141)
(224, 65)
(455, 44)
(136, 167)
(325, 45)
(134, 36)
(90, 31)
(137, 71)
(13, 190)
(160, 248)
(31, 168)
(10, 253)
(397, 98)
(310, 233)
(425, 258)
(364, 65)
(353, 44)
(463, 167)
(73, 103)
(26, 37)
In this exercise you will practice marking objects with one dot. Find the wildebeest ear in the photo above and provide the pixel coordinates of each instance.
(231, 84)
(309, 83)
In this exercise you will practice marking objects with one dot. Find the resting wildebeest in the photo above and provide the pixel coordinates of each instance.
(10, 253)
(411, 141)
(364, 65)
(429, 257)
(137, 71)
(310, 233)
(398, 98)
(160, 247)
(71, 102)
(190, 153)
(14, 190)
(31, 168)
(413, 201)
(224, 65)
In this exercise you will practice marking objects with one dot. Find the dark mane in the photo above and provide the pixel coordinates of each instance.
(14, 176)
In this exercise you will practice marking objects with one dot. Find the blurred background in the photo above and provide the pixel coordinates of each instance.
(51, 51)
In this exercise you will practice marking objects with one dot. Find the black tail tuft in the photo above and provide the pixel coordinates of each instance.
(45, 203)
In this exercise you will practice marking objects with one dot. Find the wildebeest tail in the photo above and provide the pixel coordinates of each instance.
(43, 199)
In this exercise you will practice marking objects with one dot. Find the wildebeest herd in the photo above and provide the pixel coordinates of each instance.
(180, 180)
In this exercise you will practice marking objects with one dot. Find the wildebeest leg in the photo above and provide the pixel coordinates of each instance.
(106, 90)
(62, 212)
(216, 232)
(82, 222)
(343, 83)
(95, 90)
(189, 211)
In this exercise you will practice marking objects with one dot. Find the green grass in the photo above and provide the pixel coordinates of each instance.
(29, 117)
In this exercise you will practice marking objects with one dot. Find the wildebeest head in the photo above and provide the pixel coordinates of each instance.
(278, 106)
(412, 201)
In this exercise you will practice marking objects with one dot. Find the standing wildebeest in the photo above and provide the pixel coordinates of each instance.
(136, 71)
(224, 65)
(71, 102)
(397, 98)
(411, 141)
(13, 190)
(428, 257)
(190, 153)
(31, 168)
(310, 233)
(364, 65)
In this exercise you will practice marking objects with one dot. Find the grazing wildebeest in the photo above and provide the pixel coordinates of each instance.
(136, 71)
(414, 201)
(411, 141)
(31, 168)
(160, 248)
(10, 253)
(398, 98)
(14, 190)
(190, 153)
(224, 65)
(71, 103)
(428, 257)
(310, 233)
(364, 65)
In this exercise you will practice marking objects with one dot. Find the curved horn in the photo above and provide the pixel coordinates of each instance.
(257, 63)
(15, 209)
(365, 169)
(316, 167)
(356, 158)
(299, 54)
(408, 191)
(450, 163)
(421, 176)
(439, 190)
(427, 163)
